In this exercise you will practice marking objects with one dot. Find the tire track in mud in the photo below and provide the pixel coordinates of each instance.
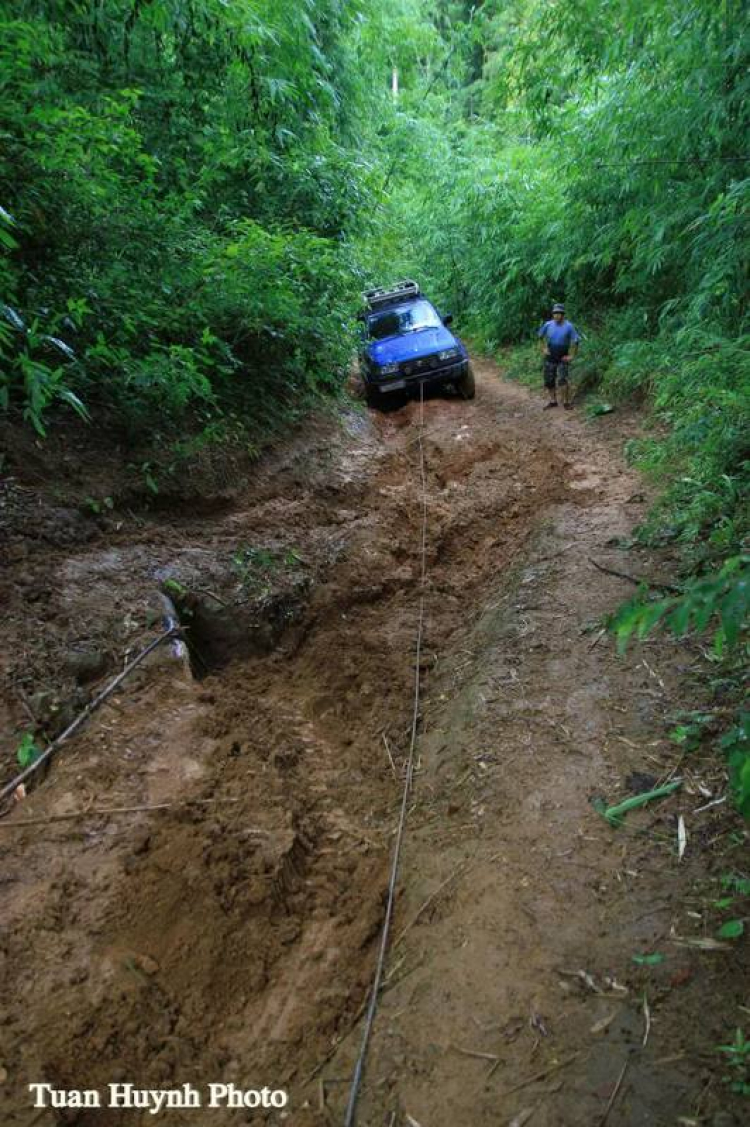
(237, 944)
(516, 993)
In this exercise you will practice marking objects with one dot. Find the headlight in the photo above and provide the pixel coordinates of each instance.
(387, 369)
(449, 354)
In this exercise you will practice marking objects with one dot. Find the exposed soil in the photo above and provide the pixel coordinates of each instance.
(232, 935)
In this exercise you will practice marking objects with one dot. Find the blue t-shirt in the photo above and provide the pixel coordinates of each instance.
(559, 337)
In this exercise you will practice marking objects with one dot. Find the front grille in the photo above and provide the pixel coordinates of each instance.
(423, 364)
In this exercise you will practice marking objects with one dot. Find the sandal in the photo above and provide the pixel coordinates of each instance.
(548, 405)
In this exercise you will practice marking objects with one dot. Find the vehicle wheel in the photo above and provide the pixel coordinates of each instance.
(466, 386)
(372, 396)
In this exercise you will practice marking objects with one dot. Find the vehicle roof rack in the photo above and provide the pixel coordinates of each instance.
(387, 295)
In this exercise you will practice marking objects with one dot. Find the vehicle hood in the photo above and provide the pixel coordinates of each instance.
(410, 346)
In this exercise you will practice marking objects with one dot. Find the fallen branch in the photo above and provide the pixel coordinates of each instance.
(541, 1075)
(474, 1053)
(211, 595)
(615, 1093)
(708, 805)
(597, 639)
(50, 750)
(706, 943)
(634, 579)
(427, 903)
(111, 811)
(390, 757)
(26, 706)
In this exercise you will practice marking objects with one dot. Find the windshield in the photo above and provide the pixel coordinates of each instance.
(403, 319)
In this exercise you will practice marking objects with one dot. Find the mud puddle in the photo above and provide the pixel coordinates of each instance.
(230, 935)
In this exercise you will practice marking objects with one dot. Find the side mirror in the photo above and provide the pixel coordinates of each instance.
(448, 319)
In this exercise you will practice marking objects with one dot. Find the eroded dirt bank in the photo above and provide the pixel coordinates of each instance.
(232, 935)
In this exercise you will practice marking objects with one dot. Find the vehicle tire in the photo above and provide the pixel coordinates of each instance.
(466, 386)
(372, 396)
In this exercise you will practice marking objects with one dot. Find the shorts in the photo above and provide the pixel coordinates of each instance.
(555, 372)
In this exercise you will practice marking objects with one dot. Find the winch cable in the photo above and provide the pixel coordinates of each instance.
(351, 1106)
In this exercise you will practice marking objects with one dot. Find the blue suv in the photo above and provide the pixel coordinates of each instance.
(406, 343)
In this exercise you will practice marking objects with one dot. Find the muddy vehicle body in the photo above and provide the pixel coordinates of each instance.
(405, 342)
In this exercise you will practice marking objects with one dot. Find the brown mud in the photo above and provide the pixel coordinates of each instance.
(232, 935)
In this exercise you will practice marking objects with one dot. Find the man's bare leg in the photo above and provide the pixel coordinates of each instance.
(550, 380)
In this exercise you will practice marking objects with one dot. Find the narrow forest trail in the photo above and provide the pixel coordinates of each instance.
(235, 940)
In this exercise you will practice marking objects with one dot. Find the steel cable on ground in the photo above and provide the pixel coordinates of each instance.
(351, 1106)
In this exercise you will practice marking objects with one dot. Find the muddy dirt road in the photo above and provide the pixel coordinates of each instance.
(231, 934)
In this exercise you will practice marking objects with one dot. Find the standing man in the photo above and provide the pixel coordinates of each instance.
(559, 341)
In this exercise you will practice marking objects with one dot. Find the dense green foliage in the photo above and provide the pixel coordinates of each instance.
(595, 151)
(180, 183)
(721, 600)
(194, 191)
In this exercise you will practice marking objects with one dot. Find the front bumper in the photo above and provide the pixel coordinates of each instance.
(399, 380)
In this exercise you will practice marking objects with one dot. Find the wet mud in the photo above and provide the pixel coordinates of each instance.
(224, 928)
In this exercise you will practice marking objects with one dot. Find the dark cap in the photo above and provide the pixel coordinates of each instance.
(558, 307)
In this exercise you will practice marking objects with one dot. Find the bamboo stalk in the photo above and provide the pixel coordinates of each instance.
(49, 751)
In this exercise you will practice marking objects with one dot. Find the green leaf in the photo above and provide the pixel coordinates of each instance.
(732, 929)
(614, 814)
(27, 751)
(73, 401)
(648, 960)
